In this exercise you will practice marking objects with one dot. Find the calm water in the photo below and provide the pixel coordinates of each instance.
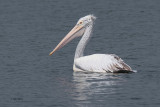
(30, 29)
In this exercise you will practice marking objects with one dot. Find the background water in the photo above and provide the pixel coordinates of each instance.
(30, 29)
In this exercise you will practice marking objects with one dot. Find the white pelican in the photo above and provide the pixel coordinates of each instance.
(91, 63)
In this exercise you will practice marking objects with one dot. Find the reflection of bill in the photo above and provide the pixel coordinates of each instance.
(94, 84)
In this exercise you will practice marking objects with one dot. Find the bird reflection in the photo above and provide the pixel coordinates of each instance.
(95, 84)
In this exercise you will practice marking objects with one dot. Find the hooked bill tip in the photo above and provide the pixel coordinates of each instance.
(50, 53)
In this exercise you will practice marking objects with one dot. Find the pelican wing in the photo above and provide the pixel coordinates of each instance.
(101, 63)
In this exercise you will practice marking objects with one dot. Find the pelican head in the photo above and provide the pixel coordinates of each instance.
(85, 21)
(77, 31)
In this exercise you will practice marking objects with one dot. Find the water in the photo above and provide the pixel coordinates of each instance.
(30, 29)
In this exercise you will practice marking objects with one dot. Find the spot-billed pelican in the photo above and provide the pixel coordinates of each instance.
(91, 63)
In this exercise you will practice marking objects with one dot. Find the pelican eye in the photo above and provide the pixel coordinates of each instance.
(80, 22)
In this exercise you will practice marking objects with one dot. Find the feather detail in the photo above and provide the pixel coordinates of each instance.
(102, 63)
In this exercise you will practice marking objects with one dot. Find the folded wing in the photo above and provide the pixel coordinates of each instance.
(101, 63)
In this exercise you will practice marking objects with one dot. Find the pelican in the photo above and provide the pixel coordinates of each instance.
(91, 63)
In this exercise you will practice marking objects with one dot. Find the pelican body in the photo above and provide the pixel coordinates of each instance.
(91, 63)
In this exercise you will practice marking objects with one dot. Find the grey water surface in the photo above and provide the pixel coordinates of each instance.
(30, 29)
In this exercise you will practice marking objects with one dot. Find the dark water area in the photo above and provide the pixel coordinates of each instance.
(30, 29)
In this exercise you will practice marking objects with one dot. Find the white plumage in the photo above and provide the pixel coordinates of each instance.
(91, 63)
(100, 63)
